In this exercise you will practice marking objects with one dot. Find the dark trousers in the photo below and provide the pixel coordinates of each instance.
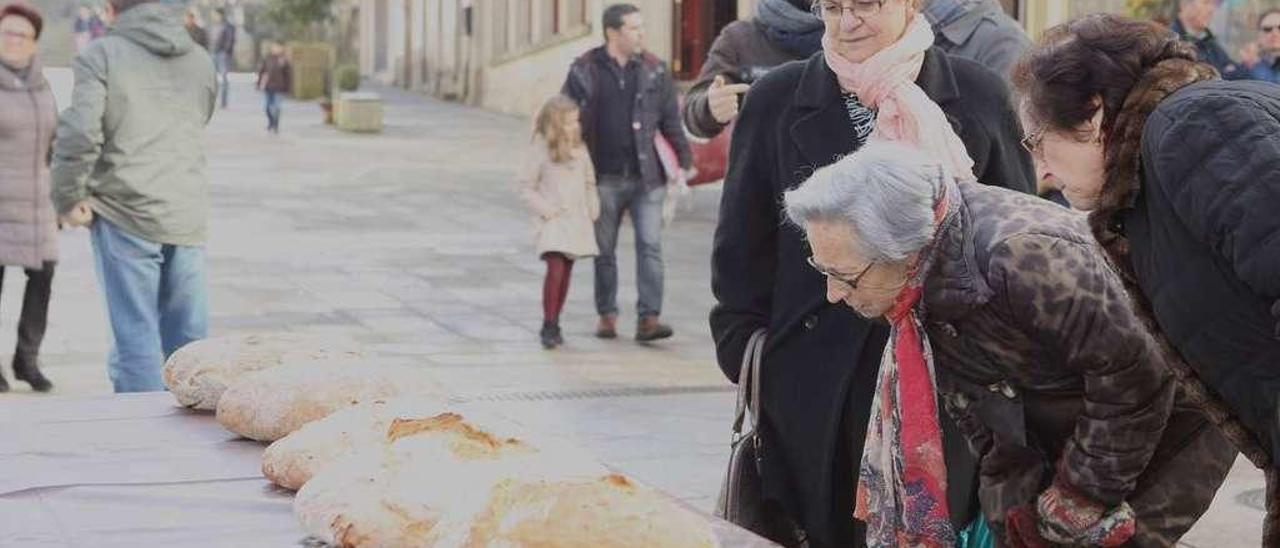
(35, 311)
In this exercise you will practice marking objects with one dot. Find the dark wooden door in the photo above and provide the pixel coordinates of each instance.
(697, 24)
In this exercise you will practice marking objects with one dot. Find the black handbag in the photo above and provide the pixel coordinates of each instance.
(741, 500)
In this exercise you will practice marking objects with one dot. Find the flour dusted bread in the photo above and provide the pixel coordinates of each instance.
(270, 404)
(291, 461)
(607, 511)
(198, 373)
(469, 488)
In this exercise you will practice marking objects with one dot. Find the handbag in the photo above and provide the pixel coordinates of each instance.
(741, 500)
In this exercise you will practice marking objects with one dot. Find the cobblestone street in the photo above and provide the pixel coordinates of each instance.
(415, 243)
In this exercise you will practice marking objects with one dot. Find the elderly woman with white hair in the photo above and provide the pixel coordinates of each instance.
(1005, 313)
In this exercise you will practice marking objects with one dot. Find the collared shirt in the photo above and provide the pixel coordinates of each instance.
(618, 90)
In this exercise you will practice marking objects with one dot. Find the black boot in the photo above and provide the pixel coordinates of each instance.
(4, 385)
(550, 334)
(28, 371)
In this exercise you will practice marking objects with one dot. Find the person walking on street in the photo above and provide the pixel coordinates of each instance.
(275, 79)
(1262, 58)
(28, 224)
(558, 183)
(128, 163)
(82, 28)
(979, 30)
(879, 74)
(224, 51)
(628, 101)
(746, 50)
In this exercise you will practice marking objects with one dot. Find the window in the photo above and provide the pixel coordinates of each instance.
(524, 25)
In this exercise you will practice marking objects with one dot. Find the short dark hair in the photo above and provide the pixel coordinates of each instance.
(613, 16)
(122, 6)
(25, 11)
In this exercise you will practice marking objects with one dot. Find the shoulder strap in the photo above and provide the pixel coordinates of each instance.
(749, 383)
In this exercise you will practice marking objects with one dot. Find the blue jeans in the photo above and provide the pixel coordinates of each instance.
(156, 302)
(273, 110)
(222, 64)
(617, 196)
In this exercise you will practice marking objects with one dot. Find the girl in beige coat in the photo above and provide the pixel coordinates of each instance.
(558, 184)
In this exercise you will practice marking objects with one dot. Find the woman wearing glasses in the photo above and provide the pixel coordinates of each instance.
(1002, 307)
(28, 229)
(1180, 172)
(878, 75)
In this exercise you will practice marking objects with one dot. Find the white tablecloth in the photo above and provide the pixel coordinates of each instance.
(138, 471)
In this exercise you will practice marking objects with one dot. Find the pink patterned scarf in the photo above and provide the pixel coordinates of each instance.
(887, 83)
(902, 483)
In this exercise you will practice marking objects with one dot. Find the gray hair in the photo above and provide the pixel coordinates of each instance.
(885, 192)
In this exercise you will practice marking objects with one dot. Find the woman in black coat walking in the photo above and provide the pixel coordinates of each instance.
(821, 361)
(1181, 171)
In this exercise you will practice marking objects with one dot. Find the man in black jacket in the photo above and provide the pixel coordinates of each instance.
(627, 99)
(1192, 25)
(224, 50)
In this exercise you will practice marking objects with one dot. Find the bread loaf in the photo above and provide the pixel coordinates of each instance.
(291, 461)
(198, 373)
(424, 491)
(270, 404)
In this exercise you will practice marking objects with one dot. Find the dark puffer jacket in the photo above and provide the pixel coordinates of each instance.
(1050, 373)
(1204, 237)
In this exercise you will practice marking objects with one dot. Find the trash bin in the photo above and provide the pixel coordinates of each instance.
(359, 112)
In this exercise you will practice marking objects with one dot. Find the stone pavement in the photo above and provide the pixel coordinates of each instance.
(415, 243)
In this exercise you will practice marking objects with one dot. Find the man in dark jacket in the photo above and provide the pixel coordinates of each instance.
(979, 30)
(224, 50)
(1192, 24)
(275, 78)
(821, 360)
(627, 99)
(781, 31)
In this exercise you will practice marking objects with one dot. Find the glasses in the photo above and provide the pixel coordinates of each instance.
(1032, 141)
(852, 283)
(1268, 29)
(862, 9)
(18, 35)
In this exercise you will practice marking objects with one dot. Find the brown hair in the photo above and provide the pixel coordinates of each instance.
(1100, 55)
(549, 124)
(25, 11)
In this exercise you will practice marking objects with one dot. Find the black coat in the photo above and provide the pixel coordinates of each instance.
(1204, 237)
(821, 360)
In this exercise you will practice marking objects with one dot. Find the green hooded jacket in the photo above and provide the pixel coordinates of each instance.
(131, 143)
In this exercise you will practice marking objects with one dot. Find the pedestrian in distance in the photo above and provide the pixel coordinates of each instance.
(196, 28)
(1262, 58)
(558, 184)
(275, 79)
(223, 42)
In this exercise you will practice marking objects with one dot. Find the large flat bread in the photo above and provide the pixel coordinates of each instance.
(270, 404)
(198, 373)
(420, 492)
(291, 461)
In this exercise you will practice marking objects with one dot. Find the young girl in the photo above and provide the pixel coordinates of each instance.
(559, 185)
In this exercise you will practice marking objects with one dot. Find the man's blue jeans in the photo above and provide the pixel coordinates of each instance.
(273, 110)
(617, 196)
(156, 302)
(222, 64)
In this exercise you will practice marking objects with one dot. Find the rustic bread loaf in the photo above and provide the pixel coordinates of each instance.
(270, 404)
(291, 461)
(426, 491)
(198, 373)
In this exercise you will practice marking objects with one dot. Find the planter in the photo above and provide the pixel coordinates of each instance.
(359, 112)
